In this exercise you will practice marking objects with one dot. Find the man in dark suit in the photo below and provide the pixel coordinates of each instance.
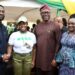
(3, 42)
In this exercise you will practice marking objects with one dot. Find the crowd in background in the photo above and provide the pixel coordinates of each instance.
(48, 48)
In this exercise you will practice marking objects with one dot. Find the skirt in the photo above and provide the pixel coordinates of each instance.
(65, 70)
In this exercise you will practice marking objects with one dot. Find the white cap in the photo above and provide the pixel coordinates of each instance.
(22, 18)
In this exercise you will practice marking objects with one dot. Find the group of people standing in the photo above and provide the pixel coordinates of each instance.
(51, 46)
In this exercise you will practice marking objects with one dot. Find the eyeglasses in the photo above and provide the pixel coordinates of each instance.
(45, 12)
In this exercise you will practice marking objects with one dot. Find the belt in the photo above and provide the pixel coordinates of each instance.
(23, 54)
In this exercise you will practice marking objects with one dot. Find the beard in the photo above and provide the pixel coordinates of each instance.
(2, 17)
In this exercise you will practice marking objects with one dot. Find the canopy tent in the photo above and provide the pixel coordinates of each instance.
(14, 9)
(68, 5)
(29, 8)
(53, 3)
(13, 13)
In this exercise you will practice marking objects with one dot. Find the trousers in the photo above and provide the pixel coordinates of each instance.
(22, 63)
(3, 68)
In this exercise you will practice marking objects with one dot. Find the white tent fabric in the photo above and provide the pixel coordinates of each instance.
(15, 8)
(29, 8)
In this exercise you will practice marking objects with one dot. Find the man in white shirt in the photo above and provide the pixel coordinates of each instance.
(21, 43)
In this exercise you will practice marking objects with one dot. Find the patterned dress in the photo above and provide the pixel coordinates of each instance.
(66, 55)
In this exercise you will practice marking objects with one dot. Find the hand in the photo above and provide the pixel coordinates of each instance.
(6, 57)
(33, 64)
(54, 63)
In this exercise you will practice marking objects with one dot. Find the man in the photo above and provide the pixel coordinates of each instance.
(21, 42)
(3, 41)
(48, 36)
(61, 22)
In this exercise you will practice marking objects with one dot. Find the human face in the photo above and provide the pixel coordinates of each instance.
(23, 27)
(2, 13)
(45, 14)
(71, 25)
(58, 21)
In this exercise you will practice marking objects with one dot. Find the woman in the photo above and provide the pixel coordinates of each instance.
(21, 43)
(66, 55)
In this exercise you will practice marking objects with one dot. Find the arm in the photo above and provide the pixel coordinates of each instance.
(57, 38)
(34, 50)
(33, 55)
(8, 55)
(9, 50)
(10, 44)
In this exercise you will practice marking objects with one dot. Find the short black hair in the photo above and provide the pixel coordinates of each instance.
(38, 21)
(64, 21)
(33, 25)
(2, 6)
(28, 28)
(72, 16)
